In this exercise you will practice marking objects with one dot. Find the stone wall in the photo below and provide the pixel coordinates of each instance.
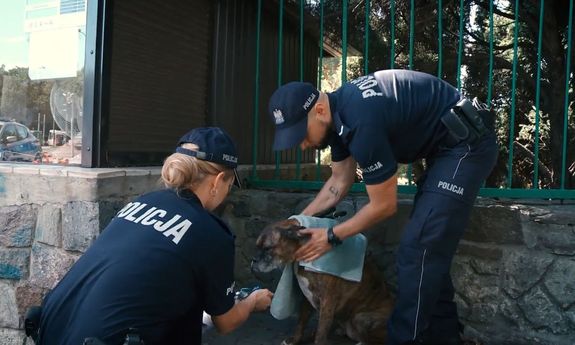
(514, 272)
(48, 217)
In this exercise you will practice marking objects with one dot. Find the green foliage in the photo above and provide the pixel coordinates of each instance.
(484, 71)
(23, 99)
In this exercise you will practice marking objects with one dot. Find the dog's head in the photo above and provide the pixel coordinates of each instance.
(276, 245)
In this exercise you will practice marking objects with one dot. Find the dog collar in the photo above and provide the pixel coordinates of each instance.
(332, 238)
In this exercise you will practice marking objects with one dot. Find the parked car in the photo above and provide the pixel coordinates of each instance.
(57, 138)
(17, 143)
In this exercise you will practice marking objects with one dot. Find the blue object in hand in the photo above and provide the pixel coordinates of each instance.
(243, 293)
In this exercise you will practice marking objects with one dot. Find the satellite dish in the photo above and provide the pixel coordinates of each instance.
(66, 104)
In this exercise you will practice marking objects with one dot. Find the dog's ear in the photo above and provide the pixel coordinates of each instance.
(293, 233)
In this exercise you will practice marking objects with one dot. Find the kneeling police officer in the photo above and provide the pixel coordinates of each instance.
(161, 262)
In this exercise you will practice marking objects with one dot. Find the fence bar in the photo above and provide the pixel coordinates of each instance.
(280, 66)
(301, 41)
(440, 38)
(257, 94)
(490, 80)
(344, 42)
(544, 194)
(411, 32)
(392, 20)
(513, 85)
(492, 93)
(460, 45)
(537, 98)
(366, 47)
(320, 67)
(411, 48)
(566, 104)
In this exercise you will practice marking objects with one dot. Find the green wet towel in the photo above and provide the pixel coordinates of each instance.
(288, 296)
(344, 261)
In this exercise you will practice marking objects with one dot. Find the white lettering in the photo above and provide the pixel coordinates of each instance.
(149, 221)
(450, 187)
(230, 289)
(163, 227)
(144, 215)
(359, 80)
(370, 93)
(367, 84)
(278, 116)
(308, 101)
(127, 209)
(178, 231)
(229, 158)
(131, 217)
(373, 167)
(176, 227)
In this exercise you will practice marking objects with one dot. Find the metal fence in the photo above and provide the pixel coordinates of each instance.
(513, 53)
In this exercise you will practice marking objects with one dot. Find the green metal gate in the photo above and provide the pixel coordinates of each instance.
(512, 52)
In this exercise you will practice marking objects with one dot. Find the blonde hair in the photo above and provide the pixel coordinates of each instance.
(181, 171)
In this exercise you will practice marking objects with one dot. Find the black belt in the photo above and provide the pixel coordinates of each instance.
(467, 122)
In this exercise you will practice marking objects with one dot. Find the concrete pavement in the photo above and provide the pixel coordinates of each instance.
(263, 329)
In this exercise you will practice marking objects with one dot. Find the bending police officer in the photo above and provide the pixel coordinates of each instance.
(378, 121)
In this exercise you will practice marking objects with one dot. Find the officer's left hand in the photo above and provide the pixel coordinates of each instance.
(315, 247)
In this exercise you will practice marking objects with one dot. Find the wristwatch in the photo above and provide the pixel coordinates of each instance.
(332, 238)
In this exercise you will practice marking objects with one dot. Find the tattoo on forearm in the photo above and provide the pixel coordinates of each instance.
(333, 190)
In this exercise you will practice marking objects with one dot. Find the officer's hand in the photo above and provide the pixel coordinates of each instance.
(315, 247)
(263, 299)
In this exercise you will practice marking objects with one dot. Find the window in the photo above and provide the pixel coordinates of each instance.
(72, 6)
(42, 45)
(22, 132)
(9, 131)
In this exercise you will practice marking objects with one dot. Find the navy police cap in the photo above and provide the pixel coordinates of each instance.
(288, 109)
(214, 145)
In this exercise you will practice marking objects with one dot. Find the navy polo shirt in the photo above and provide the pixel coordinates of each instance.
(389, 117)
(157, 266)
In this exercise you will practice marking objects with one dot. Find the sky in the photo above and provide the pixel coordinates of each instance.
(13, 44)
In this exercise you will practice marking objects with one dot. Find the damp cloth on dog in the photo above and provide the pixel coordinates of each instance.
(344, 261)
(287, 297)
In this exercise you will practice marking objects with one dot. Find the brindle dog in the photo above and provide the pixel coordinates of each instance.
(361, 309)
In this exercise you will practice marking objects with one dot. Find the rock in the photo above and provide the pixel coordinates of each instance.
(560, 281)
(522, 269)
(16, 225)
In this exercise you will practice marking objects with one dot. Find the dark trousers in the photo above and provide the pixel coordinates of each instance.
(440, 214)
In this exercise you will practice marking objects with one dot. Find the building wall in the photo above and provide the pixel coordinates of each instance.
(233, 89)
(513, 272)
(159, 77)
(175, 66)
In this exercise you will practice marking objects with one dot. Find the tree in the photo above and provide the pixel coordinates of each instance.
(476, 68)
